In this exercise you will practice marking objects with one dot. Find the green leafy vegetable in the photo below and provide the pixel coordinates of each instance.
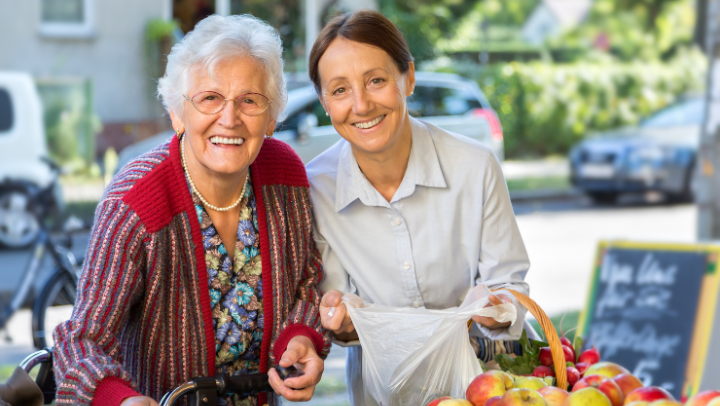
(526, 363)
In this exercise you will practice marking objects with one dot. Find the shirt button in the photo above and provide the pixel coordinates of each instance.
(416, 304)
(397, 221)
(406, 265)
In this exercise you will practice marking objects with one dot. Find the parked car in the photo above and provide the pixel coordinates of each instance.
(657, 155)
(449, 101)
(23, 152)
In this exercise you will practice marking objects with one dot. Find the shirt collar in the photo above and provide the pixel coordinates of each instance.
(423, 170)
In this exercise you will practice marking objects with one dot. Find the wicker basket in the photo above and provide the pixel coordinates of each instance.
(551, 335)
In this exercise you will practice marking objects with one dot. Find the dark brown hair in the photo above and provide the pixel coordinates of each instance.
(364, 26)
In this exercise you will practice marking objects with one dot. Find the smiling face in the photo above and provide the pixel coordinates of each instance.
(227, 142)
(364, 93)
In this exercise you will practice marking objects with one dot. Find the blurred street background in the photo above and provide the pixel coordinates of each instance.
(594, 108)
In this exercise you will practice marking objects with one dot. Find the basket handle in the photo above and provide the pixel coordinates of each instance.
(551, 335)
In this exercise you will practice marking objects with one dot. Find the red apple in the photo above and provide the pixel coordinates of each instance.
(582, 367)
(667, 402)
(638, 403)
(648, 394)
(493, 401)
(553, 395)
(542, 371)
(587, 397)
(572, 376)
(604, 385)
(522, 397)
(488, 385)
(702, 398)
(569, 354)
(627, 382)
(591, 356)
(454, 402)
(437, 401)
(608, 369)
(546, 356)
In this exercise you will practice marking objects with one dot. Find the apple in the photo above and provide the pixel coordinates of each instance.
(573, 375)
(627, 382)
(455, 402)
(438, 400)
(529, 382)
(493, 401)
(522, 397)
(665, 402)
(604, 385)
(608, 369)
(702, 398)
(582, 367)
(542, 371)
(638, 403)
(487, 385)
(648, 394)
(587, 397)
(553, 395)
(546, 356)
(569, 354)
(591, 356)
(713, 402)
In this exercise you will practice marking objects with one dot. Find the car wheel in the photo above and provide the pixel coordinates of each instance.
(18, 225)
(687, 195)
(603, 197)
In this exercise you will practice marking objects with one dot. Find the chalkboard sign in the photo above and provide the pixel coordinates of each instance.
(650, 309)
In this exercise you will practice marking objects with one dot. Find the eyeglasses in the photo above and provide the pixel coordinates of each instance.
(251, 104)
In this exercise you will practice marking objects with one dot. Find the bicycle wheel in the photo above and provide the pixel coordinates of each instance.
(53, 306)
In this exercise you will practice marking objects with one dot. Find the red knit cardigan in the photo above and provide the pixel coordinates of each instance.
(142, 323)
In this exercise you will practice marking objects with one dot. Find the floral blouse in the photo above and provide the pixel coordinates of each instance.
(235, 294)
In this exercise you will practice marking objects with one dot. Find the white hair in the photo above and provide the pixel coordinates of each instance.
(215, 39)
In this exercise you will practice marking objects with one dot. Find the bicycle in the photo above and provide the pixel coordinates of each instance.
(21, 389)
(58, 292)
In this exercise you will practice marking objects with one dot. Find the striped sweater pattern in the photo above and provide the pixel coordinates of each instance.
(142, 322)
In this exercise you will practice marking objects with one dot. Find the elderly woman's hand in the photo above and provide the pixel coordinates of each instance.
(338, 321)
(300, 353)
(489, 322)
(139, 401)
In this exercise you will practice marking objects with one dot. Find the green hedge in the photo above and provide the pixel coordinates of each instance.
(545, 108)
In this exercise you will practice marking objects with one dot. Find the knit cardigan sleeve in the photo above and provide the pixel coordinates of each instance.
(87, 361)
(304, 319)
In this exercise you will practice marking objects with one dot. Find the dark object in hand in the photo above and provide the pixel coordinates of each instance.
(289, 372)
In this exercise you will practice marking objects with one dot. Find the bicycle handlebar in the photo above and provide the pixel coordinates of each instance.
(204, 391)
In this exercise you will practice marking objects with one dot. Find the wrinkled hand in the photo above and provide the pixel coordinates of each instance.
(340, 321)
(489, 322)
(300, 353)
(139, 401)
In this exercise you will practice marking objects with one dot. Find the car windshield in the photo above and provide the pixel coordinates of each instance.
(691, 112)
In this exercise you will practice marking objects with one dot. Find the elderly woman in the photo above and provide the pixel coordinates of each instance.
(407, 214)
(202, 260)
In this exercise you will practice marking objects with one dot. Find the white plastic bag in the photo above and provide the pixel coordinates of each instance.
(414, 355)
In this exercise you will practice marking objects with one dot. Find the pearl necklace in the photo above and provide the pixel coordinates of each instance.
(194, 189)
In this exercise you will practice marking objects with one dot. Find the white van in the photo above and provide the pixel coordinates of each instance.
(22, 149)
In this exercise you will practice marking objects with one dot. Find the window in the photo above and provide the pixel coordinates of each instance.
(66, 18)
(428, 101)
(691, 112)
(6, 111)
(315, 108)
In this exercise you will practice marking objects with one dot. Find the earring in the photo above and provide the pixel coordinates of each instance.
(269, 136)
(411, 93)
(327, 114)
(177, 133)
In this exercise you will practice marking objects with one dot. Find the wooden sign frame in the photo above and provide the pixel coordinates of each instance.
(708, 299)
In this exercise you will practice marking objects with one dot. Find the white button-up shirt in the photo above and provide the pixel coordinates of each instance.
(449, 226)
